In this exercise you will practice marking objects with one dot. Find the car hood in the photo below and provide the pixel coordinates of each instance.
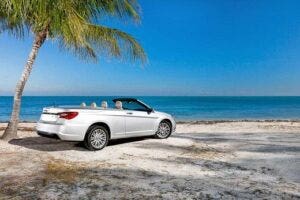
(163, 114)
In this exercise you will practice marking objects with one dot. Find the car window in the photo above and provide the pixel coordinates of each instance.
(133, 105)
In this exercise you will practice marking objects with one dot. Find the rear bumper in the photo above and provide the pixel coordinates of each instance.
(48, 135)
(62, 131)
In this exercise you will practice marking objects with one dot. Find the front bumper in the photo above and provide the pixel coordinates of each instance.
(173, 125)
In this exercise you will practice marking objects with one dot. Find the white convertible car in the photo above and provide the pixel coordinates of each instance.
(97, 125)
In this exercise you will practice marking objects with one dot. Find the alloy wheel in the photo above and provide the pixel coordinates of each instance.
(164, 130)
(98, 138)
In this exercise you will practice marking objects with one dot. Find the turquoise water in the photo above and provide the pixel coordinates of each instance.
(182, 108)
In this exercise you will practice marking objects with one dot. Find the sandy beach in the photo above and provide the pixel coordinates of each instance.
(224, 160)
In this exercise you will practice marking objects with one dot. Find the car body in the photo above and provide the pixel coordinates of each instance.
(130, 118)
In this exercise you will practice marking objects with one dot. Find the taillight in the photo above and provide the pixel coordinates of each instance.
(67, 115)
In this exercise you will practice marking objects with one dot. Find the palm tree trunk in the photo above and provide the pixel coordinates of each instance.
(11, 130)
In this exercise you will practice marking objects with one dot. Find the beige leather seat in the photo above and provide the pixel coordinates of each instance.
(104, 105)
(93, 105)
(118, 105)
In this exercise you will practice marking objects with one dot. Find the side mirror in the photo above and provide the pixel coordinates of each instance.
(150, 110)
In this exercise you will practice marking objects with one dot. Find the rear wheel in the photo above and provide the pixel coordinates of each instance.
(96, 138)
(164, 130)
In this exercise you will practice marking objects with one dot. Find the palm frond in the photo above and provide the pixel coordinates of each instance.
(119, 43)
(70, 22)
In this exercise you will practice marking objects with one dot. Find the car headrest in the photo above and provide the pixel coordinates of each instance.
(82, 105)
(93, 105)
(104, 104)
(118, 105)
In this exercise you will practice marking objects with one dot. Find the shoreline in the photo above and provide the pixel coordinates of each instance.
(201, 121)
(234, 120)
(208, 125)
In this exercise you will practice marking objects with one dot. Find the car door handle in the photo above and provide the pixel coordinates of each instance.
(129, 113)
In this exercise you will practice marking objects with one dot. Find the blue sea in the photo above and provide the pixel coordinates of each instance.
(182, 108)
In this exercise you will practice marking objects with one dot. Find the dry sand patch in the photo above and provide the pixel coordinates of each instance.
(221, 161)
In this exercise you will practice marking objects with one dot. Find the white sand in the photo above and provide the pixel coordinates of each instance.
(243, 160)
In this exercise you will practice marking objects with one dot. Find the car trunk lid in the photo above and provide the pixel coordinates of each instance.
(51, 114)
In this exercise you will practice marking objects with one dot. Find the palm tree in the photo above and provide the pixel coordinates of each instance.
(74, 25)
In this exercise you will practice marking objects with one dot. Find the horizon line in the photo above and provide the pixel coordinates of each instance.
(154, 96)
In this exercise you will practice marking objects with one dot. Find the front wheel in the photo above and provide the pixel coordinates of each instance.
(96, 138)
(164, 130)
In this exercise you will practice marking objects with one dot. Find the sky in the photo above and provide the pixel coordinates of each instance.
(194, 48)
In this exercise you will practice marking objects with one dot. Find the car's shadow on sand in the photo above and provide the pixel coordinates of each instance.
(53, 144)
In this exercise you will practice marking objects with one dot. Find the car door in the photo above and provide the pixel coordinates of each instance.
(116, 119)
(138, 120)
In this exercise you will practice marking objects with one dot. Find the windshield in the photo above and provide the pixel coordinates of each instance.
(134, 105)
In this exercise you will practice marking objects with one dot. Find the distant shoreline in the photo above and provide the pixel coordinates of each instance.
(205, 121)
(237, 120)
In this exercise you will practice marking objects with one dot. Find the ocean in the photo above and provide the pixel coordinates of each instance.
(182, 108)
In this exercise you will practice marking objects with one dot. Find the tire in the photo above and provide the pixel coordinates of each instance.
(164, 130)
(96, 138)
